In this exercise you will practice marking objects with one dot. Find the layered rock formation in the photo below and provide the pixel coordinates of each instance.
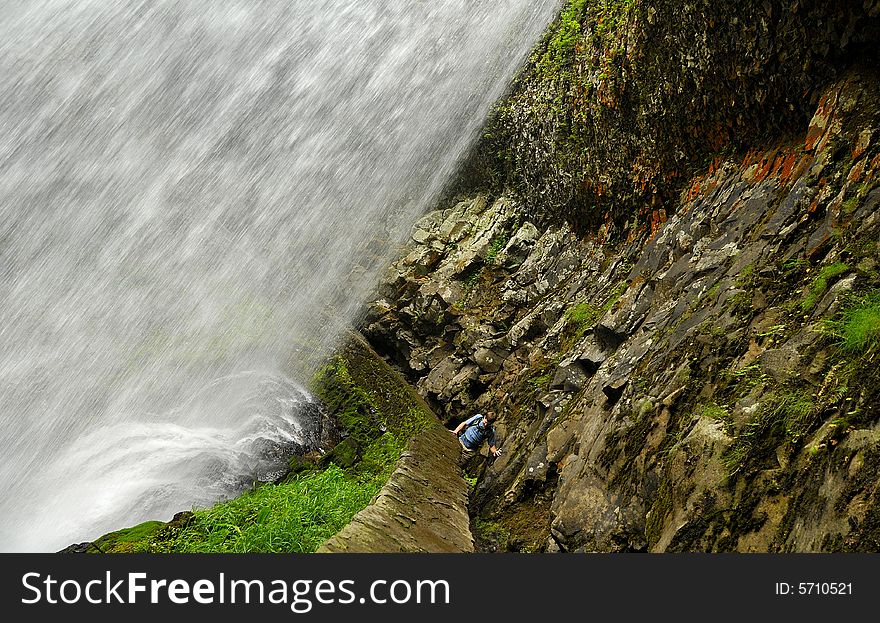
(676, 381)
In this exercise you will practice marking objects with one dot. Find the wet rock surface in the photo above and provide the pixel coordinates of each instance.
(625, 101)
(670, 386)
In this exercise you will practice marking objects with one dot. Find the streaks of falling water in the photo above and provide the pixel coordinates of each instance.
(187, 193)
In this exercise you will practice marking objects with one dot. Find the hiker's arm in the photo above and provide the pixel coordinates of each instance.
(495, 451)
(459, 428)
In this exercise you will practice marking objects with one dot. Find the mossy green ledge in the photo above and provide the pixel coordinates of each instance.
(423, 505)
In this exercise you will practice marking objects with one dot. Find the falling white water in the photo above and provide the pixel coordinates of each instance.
(194, 200)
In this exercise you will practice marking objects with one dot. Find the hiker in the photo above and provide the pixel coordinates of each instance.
(474, 431)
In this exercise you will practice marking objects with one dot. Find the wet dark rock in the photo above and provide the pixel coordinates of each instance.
(442, 375)
(591, 358)
(344, 454)
(607, 338)
(570, 376)
(613, 389)
(537, 466)
(520, 246)
(638, 362)
(489, 360)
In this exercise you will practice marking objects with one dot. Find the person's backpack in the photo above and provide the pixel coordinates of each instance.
(490, 427)
(469, 426)
(476, 423)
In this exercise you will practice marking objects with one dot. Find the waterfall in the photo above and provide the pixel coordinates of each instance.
(195, 200)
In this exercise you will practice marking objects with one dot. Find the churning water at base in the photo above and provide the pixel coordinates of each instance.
(194, 200)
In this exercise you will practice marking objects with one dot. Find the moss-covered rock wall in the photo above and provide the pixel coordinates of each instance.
(625, 100)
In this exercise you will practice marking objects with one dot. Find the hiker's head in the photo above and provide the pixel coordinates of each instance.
(490, 416)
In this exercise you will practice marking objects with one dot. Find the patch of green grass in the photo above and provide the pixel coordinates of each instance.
(741, 304)
(747, 278)
(350, 403)
(492, 532)
(856, 329)
(820, 284)
(849, 206)
(582, 314)
(736, 457)
(853, 382)
(579, 319)
(750, 376)
(380, 457)
(294, 517)
(793, 265)
(775, 330)
(567, 32)
(368, 398)
(799, 415)
(469, 284)
(542, 381)
(542, 372)
(716, 412)
(552, 62)
(495, 248)
(609, 14)
(129, 541)
(714, 291)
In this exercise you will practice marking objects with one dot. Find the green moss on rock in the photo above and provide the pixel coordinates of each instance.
(129, 540)
(368, 397)
(827, 275)
(623, 100)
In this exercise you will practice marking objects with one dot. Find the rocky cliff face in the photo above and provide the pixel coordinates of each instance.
(625, 100)
(705, 378)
